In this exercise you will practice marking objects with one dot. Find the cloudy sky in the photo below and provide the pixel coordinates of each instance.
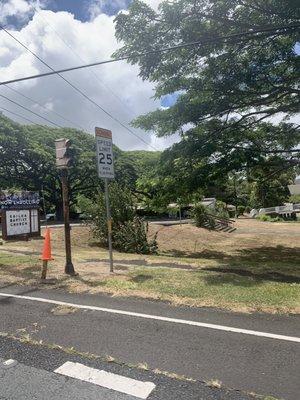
(66, 33)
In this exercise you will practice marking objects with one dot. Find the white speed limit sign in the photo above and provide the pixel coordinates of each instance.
(105, 160)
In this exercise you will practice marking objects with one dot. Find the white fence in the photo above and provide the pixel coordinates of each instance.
(287, 209)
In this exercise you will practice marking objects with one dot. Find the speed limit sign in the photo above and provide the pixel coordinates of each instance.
(104, 147)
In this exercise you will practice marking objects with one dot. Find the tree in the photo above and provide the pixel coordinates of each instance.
(269, 189)
(243, 78)
(245, 70)
(223, 164)
(27, 161)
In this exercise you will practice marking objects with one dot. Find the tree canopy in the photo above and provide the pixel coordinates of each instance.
(27, 161)
(230, 75)
(243, 70)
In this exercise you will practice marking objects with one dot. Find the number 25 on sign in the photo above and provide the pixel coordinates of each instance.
(104, 153)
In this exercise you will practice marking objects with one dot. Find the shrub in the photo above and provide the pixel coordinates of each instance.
(294, 198)
(132, 237)
(248, 209)
(202, 217)
(220, 210)
(129, 232)
(231, 213)
(268, 218)
(240, 210)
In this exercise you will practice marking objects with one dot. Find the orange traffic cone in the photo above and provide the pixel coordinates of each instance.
(46, 254)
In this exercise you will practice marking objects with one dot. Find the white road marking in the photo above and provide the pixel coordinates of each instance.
(9, 363)
(158, 318)
(105, 379)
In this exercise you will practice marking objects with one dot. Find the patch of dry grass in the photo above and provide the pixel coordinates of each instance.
(254, 268)
(214, 383)
(63, 310)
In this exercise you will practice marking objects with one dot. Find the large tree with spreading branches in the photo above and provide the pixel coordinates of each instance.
(232, 73)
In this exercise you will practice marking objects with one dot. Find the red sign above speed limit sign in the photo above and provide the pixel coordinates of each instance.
(104, 147)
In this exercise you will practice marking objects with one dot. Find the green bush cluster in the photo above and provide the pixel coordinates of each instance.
(268, 218)
(132, 237)
(201, 217)
(240, 210)
(205, 217)
(129, 232)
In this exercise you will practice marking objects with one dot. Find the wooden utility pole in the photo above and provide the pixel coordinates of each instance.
(63, 162)
(69, 268)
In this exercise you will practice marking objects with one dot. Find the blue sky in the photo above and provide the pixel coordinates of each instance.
(83, 31)
(80, 7)
(168, 100)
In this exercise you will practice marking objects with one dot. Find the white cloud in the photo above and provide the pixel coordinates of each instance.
(19, 9)
(153, 3)
(16, 8)
(92, 40)
(96, 7)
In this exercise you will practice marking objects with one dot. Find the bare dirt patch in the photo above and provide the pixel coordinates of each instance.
(63, 310)
(253, 268)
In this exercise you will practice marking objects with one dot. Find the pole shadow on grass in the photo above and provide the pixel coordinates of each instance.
(122, 263)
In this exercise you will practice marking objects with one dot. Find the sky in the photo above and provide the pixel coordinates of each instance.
(66, 33)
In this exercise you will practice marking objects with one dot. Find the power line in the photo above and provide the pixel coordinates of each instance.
(45, 108)
(103, 84)
(32, 112)
(78, 90)
(18, 115)
(188, 44)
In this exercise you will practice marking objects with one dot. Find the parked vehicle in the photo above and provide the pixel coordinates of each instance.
(51, 217)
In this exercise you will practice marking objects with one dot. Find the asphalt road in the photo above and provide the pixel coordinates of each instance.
(240, 361)
(34, 377)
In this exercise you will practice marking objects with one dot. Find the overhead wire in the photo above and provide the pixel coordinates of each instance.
(103, 84)
(79, 90)
(18, 115)
(45, 108)
(206, 41)
(141, 54)
(32, 112)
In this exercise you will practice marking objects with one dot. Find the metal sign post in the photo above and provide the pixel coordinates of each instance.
(105, 165)
(109, 226)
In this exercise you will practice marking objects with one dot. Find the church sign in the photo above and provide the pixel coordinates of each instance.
(20, 216)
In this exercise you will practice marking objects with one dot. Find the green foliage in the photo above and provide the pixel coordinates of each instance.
(222, 92)
(255, 76)
(132, 237)
(247, 209)
(240, 210)
(268, 218)
(202, 217)
(220, 210)
(129, 233)
(27, 161)
(295, 198)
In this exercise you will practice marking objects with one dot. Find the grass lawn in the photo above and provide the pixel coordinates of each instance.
(200, 288)
(256, 268)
